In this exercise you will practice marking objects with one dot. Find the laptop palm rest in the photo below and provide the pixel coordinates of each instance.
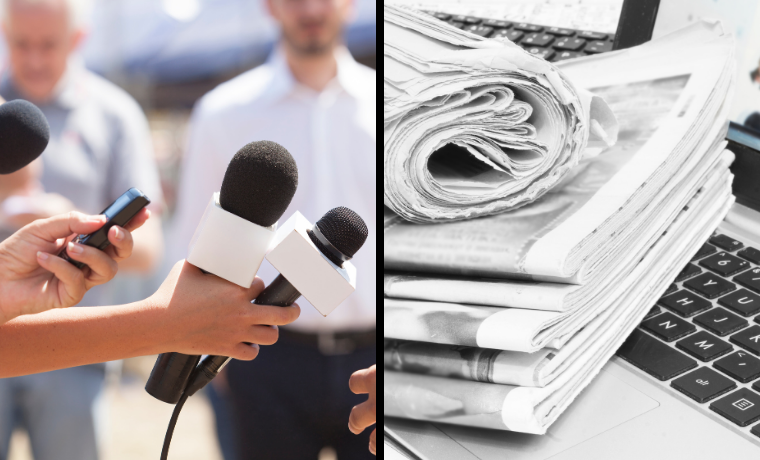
(591, 414)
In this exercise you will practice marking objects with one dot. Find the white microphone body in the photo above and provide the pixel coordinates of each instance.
(298, 259)
(229, 246)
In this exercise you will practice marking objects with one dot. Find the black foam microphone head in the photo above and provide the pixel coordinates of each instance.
(260, 181)
(24, 134)
(344, 229)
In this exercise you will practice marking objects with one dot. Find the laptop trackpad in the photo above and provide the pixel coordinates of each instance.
(605, 404)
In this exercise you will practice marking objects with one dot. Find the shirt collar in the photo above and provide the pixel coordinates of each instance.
(283, 82)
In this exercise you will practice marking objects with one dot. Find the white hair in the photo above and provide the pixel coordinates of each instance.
(79, 10)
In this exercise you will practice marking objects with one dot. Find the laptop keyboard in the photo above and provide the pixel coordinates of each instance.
(551, 43)
(703, 336)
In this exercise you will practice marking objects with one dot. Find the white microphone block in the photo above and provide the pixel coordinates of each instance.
(322, 282)
(229, 246)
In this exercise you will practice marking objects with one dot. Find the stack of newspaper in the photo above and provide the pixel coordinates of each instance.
(501, 321)
(475, 127)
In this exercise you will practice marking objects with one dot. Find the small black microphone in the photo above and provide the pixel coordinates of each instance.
(24, 135)
(338, 235)
(258, 186)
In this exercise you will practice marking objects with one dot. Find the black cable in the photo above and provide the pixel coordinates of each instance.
(172, 424)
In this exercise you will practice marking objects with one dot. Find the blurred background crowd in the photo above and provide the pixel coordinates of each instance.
(158, 95)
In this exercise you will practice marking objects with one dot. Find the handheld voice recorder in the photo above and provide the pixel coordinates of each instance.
(120, 212)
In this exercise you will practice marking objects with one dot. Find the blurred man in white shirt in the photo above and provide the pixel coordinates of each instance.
(315, 100)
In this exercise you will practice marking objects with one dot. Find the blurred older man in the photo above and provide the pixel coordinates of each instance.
(99, 148)
(314, 99)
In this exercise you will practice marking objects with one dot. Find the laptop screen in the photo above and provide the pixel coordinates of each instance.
(592, 15)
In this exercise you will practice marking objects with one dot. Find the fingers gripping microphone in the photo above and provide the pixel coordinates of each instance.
(24, 134)
(235, 233)
(312, 261)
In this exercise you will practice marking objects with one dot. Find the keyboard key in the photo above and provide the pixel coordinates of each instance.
(569, 44)
(726, 242)
(597, 47)
(703, 384)
(710, 285)
(560, 32)
(671, 289)
(739, 365)
(654, 311)
(749, 339)
(483, 31)
(668, 327)
(704, 346)
(441, 16)
(741, 407)
(750, 279)
(688, 271)
(537, 39)
(704, 251)
(466, 19)
(588, 35)
(545, 53)
(685, 303)
(457, 24)
(496, 24)
(742, 302)
(720, 321)
(724, 264)
(566, 55)
(512, 35)
(751, 254)
(528, 27)
(654, 357)
(756, 430)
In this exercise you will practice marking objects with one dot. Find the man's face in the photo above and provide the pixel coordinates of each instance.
(40, 40)
(311, 27)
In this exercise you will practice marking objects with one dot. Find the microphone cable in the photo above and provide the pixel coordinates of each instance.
(172, 424)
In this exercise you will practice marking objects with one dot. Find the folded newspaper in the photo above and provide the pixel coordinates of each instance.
(667, 108)
(501, 321)
(474, 127)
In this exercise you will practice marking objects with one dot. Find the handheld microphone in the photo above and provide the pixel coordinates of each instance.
(234, 234)
(24, 135)
(312, 261)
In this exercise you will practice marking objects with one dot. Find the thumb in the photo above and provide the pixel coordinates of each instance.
(64, 225)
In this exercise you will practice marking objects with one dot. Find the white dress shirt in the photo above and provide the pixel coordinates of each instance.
(331, 135)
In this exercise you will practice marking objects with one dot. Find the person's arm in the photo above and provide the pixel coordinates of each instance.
(34, 279)
(363, 415)
(192, 313)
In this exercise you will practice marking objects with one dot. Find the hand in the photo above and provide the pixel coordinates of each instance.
(363, 415)
(208, 315)
(34, 279)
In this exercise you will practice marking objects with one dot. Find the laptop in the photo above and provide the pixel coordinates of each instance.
(554, 30)
(686, 383)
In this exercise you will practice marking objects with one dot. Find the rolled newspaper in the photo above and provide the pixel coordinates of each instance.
(475, 127)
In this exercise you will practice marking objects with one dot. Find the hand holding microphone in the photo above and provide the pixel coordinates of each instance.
(211, 315)
(313, 262)
(232, 238)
